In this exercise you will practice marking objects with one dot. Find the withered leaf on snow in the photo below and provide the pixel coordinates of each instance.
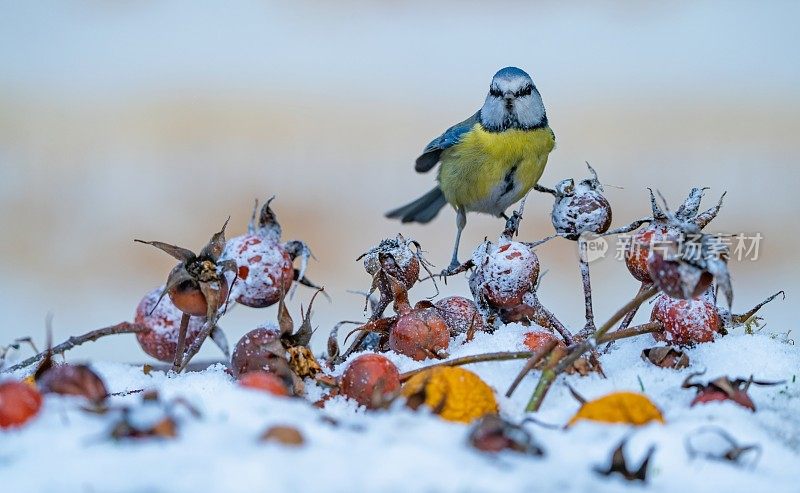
(666, 357)
(286, 435)
(724, 389)
(618, 407)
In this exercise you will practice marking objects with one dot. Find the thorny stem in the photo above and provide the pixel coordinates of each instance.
(530, 364)
(636, 330)
(120, 328)
(208, 326)
(465, 360)
(744, 317)
(181, 341)
(559, 366)
(587, 288)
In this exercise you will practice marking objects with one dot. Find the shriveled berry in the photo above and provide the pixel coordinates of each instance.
(19, 402)
(77, 380)
(537, 339)
(369, 378)
(396, 258)
(262, 380)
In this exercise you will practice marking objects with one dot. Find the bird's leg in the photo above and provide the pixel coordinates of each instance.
(461, 222)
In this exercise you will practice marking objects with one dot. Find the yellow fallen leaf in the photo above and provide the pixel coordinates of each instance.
(619, 407)
(453, 393)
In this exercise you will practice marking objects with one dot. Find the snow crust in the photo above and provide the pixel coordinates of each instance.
(65, 449)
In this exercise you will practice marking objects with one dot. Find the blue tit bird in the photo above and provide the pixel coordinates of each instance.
(490, 160)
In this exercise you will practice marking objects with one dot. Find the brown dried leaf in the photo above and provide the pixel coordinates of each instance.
(287, 435)
(666, 357)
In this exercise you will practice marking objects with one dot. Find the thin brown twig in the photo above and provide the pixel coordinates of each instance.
(73, 341)
(475, 358)
(532, 362)
(549, 374)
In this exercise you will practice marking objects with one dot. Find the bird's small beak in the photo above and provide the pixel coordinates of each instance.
(508, 96)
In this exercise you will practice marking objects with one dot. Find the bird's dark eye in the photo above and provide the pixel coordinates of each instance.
(495, 92)
(525, 91)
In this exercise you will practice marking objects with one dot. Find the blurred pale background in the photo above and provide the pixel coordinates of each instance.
(157, 120)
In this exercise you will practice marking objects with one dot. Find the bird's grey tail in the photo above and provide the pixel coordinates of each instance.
(422, 210)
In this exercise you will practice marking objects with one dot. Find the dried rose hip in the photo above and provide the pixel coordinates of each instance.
(724, 389)
(677, 275)
(67, 379)
(258, 350)
(639, 250)
(267, 382)
(265, 265)
(503, 273)
(663, 226)
(395, 258)
(369, 379)
(19, 402)
(163, 321)
(197, 285)
(460, 314)
(580, 208)
(686, 322)
(419, 332)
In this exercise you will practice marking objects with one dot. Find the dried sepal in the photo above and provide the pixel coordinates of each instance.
(714, 443)
(492, 433)
(666, 357)
(152, 418)
(619, 464)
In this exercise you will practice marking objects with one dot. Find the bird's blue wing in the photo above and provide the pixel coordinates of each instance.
(433, 151)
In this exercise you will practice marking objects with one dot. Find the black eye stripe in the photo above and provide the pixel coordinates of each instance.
(495, 92)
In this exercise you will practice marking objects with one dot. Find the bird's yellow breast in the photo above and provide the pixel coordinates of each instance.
(489, 171)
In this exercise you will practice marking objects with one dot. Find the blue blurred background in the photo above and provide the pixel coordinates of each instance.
(158, 119)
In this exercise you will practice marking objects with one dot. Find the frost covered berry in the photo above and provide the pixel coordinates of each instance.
(686, 322)
(394, 257)
(19, 402)
(460, 315)
(369, 379)
(580, 207)
(503, 273)
(160, 340)
(419, 332)
(267, 382)
(265, 265)
(665, 225)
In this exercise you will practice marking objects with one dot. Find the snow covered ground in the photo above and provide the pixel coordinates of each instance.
(65, 449)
